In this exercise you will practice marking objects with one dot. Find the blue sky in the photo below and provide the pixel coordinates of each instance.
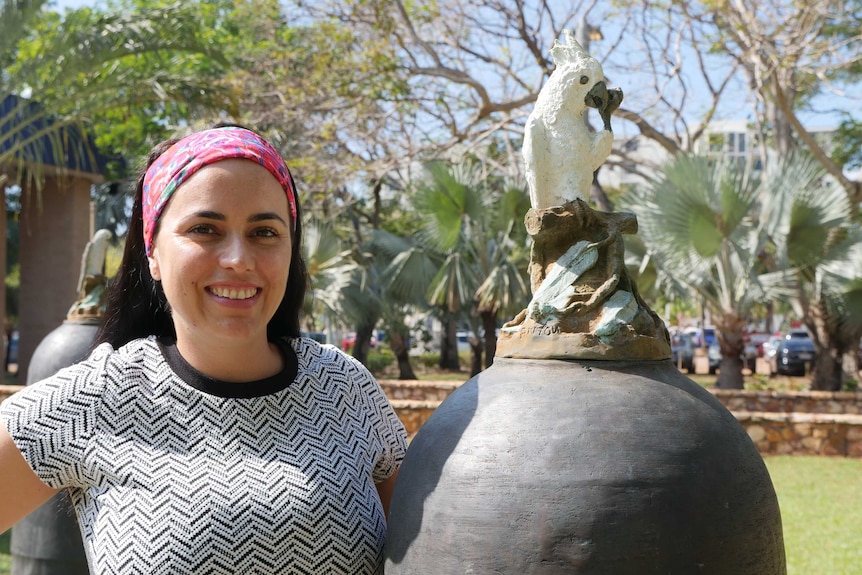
(73, 3)
(818, 119)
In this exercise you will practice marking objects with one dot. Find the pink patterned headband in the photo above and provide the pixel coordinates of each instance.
(200, 149)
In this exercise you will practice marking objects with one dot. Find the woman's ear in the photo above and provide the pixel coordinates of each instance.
(153, 261)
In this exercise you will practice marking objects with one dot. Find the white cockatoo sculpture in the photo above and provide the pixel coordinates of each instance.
(560, 151)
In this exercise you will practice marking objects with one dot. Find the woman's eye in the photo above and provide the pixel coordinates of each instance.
(202, 229)
(266, 233)
(584, 79)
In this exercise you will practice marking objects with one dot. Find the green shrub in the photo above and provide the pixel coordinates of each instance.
(379, 359)
(758, 382)
(427, 360)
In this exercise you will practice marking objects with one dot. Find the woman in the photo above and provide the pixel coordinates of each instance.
(203, 435)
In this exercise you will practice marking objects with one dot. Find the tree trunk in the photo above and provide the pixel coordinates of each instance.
(832, 341)
(398, 345)
(826, 375)
(770, 317)
(781, 130)
(729, 335)
(449, 346)
(730, 373)
(363, 342)
(837, 364)
(489, 324)
(475, 357)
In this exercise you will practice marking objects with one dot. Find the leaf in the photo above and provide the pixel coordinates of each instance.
(706, 237)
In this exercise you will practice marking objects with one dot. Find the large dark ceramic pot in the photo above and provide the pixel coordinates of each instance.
(48, 541)
(585, 467)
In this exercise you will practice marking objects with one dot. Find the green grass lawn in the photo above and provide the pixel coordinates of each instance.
(821, 511)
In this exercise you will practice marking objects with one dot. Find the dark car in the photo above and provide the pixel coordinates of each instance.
(794, 356)
(682, 351)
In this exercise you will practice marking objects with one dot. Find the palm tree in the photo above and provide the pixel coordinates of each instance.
(505, 256)
(469, 238)
(817, 255)
(408, 269)
(736, 240)
(331, 269)
(697, 223)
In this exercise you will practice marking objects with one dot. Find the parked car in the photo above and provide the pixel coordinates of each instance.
(463, 338)
(794, 356)
(701, 337)
(770, 348)
(749, 357)
(349, 340)
(758, 340)
(713, 354)
(682, 351)
(12, 349)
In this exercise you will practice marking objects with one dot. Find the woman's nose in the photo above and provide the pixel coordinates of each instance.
(236, 253)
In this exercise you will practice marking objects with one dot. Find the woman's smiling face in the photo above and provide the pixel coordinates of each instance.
(222, 252)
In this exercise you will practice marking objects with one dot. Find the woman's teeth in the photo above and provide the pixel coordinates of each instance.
(232, 293)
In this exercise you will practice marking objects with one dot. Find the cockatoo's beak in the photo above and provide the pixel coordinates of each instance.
(597, 97)
(604, 100)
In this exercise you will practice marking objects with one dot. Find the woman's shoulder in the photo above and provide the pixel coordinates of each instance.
(105, 357)
(104, 361)
(138, 349)
(317, 348)
(311, 353)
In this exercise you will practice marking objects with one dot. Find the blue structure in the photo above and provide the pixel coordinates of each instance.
(22, 120)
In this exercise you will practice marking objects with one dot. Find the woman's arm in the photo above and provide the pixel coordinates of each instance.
(21, 491)
(384, 490)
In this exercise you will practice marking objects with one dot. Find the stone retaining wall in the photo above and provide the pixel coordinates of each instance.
(805, 423)
(837, 402)
(804, 433)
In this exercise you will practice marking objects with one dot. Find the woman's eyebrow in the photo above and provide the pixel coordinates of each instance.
(210, 215)
(263, 216)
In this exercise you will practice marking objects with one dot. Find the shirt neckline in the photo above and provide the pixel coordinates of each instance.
(228, 389)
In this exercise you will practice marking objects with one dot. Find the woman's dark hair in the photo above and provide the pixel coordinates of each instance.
(137, 306)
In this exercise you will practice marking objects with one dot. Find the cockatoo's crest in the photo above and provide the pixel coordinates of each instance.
(569, 52)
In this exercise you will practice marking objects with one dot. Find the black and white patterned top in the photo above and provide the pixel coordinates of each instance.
(173, 472)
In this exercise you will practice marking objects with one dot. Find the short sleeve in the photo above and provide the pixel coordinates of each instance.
(386, 426)
(52, 421)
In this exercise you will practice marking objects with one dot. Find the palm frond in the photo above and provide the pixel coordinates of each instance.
(503, 291)
(330, 267)
(448, 201)
(387, 245)
(409, 274)
(454, 284)
(361, 299)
